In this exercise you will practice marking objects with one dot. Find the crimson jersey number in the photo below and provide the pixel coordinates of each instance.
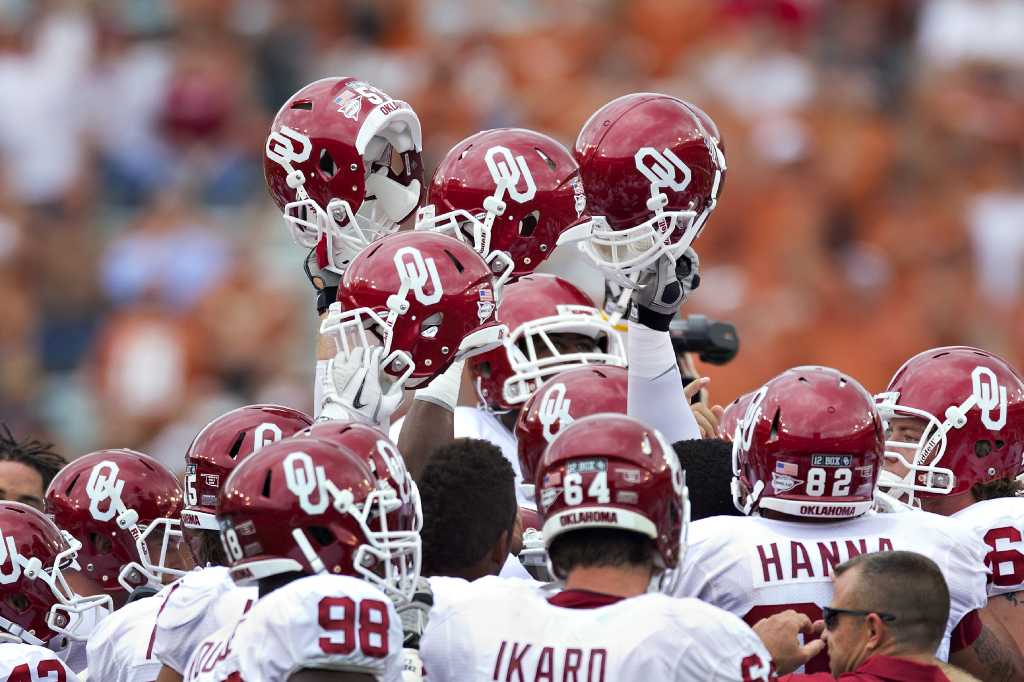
(22, 673)
(818, 664)
(366, 623)
(1007, 563)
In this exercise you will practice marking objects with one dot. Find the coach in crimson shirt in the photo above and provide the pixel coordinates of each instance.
(887, 617)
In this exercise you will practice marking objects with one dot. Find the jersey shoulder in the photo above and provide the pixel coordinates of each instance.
(1003, 511)
(324, 621)
(112, 644)
(35, 661)
(192, 594)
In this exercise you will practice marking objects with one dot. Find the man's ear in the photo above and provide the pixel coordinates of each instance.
(876, 632)
(499, 553)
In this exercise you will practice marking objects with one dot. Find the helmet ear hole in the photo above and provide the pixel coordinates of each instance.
(430, 325)
(322, 535)
(328, 169)
(101, 543)
(528, 224)
(17, 601)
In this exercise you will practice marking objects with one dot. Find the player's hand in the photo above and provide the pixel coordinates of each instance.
(415, 612)
(324, 281)
(779, 633)
(355, 388)
(662, 288)
(708, 418)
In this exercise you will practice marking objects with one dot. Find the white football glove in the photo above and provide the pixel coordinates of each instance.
(356, 387)
(662, 288)
(415, 612)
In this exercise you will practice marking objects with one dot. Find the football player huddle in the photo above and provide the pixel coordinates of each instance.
(298, 549)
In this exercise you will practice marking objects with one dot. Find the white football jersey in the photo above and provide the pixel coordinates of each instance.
(120, 649)
(473, 422)
(755, 567)
(507, 630)
(30, 663)
(195, 606)
(324, 621)
(1000, 524)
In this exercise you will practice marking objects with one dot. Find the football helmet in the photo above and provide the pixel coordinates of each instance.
(612, 471)
(969, 404)
(563, 399)
(427, 298)
(114, 502)
(36, 602)
(386, 464)
(310, 506)
(536, 308)
(221, 445)
(652, 173)
(329, 166)
(810, 444)
(511, 190)
(731, 416)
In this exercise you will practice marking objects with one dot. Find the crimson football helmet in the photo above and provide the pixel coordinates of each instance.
(969, 404)
(561, 400)
(36, 602)
(511, 190)
(117, 503)
(536, 308)
(307, 505)
(810, 444)
(612, 471)
(652, 172)
(221, 445)
(329, 166)
(731, 416)
(428, 299)
(386, 464)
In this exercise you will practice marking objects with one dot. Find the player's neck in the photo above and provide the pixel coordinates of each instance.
(947, 505)
(618, 581)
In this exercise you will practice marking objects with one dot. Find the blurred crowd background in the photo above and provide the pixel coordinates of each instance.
(874, 204)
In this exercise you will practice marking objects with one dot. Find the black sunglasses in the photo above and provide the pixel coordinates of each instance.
(831, 615)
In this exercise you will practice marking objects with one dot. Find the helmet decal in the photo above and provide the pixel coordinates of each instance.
(103, 485)
(554, 411)
(507, 172)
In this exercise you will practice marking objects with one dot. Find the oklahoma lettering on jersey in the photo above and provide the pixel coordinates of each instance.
(508, 631)
(1000, 524)
(755, 567)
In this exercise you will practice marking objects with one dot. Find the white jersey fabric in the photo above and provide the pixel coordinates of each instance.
(30, 662)
(193, 608)
(324, 621)
(474, 422)
(1000, 525)
(120, 649)
(755, 567)
(507, 630)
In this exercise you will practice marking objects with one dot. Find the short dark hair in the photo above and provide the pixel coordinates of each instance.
(587, 547)
(908, 585)
(708, 466)
(468, 494)
(32, 453)
(993, 490)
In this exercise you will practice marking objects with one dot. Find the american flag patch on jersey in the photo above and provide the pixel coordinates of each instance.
(787, 468)
(486, 295)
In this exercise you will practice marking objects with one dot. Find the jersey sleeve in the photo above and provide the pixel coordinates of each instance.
(28, 662)
(190, 613)
(968, 574)
(324, 622)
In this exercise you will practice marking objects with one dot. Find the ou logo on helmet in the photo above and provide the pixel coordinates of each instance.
(266, 434)
(104, 486)
(9, 551)
(396, 468)
(414, 273)
(304, 478)
(989, 395)
(507, 171)
(662, 168)
(554, 411)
